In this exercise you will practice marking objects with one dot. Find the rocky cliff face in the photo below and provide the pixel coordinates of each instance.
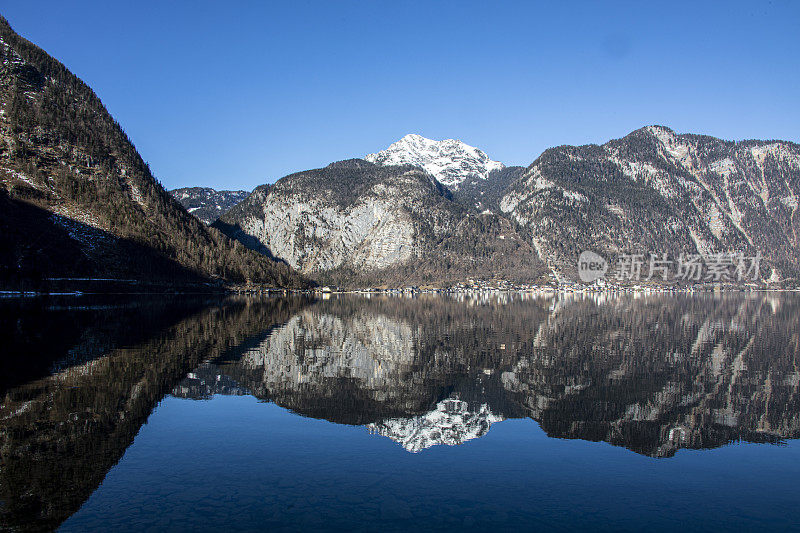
(660, 192)
(349, 213)
(207, 204)
(354, 221)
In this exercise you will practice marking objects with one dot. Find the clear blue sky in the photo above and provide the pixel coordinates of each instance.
(235, 94)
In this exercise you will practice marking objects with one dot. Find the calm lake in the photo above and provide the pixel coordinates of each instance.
(387, 413)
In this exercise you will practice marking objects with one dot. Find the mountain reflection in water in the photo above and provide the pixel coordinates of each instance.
(653, 374)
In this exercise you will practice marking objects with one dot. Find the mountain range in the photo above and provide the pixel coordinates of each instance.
(436, 211)
(79, 202)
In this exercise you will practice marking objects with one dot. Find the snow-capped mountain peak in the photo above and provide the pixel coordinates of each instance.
(450, 161)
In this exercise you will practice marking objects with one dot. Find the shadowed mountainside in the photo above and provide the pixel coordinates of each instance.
(61, 151)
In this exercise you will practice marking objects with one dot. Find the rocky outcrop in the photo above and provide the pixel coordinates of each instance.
(351, 214)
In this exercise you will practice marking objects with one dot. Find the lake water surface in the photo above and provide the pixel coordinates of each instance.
(387, 413)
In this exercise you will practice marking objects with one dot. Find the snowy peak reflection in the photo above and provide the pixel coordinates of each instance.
(452, 422)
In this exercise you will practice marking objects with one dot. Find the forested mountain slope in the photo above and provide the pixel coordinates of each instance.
(66, 163)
